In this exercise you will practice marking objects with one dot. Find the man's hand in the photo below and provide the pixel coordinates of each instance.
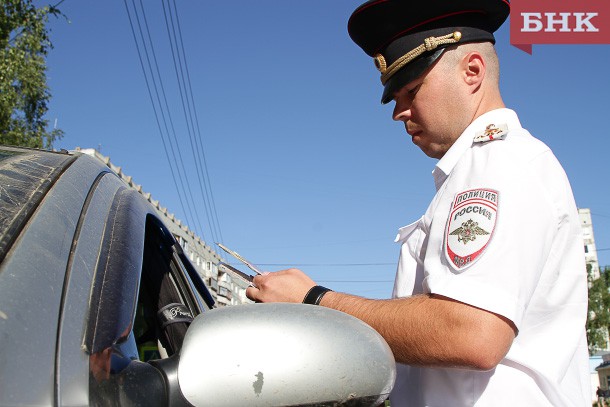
(289, 285)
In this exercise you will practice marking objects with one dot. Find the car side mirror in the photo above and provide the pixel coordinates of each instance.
(282, 355)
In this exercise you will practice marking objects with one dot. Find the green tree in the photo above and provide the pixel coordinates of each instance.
(24, 94)
(598, 318)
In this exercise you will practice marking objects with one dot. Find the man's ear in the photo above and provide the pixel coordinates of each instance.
(473, 68)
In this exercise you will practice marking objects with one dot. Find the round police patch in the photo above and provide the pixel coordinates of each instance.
(470, 226)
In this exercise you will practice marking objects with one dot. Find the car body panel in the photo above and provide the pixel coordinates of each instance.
(31, 286)
(72, 360)
(25, 177)
(86, 268)
(356, 367)
(117, 276)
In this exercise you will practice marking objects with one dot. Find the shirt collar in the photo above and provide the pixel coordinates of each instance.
(446, 164)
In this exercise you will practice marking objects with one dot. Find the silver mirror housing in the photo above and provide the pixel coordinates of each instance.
(283, 355)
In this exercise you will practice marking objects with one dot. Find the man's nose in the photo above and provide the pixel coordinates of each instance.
(401, 113)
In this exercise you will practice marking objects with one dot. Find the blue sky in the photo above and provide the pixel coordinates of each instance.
(306, 166)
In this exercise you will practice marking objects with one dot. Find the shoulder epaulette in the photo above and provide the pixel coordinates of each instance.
(491, 132)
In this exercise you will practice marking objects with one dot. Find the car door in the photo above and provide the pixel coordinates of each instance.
(40, 203)
(125, 269)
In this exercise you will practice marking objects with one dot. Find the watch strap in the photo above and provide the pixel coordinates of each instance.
(315, 294)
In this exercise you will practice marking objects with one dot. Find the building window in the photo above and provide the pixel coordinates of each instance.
(586, 249)
(224, 292)
(208, 265)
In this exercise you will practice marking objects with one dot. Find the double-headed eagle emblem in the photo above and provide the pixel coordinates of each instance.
(491, 130)
(468, 231)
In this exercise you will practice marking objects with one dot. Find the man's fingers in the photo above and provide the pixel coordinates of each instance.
(251, 292)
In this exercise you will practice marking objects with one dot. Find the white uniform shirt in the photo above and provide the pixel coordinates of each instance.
(502, 234)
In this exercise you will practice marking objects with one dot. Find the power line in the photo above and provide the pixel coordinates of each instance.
(184, 191)
(184, 109)
(158, 97)
(190, 115)
(200, 144)
(183, 178)
(324, 264)
(179, 193)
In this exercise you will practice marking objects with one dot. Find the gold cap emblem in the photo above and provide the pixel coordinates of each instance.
(430, 44)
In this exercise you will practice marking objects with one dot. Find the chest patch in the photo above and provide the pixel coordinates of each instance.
(470, 226)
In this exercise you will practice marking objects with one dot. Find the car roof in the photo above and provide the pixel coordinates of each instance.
(25, 177)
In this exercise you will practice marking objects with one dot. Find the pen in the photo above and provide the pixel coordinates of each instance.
(238, 257)
(232, 269)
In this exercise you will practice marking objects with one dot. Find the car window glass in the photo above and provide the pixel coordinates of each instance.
(166, 304)
(169, 298)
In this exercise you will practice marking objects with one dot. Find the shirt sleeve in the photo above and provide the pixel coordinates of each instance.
(506, 273)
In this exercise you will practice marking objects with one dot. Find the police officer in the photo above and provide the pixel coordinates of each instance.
(490, 296)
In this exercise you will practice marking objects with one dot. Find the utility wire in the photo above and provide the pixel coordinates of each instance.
(172, 138)
(324, 264)
(200, 144)
(181, 175)
(163, 116)
(154, 108)
(180, 66)
(187, 121)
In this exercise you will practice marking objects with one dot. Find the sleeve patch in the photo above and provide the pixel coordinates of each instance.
(470, 226)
